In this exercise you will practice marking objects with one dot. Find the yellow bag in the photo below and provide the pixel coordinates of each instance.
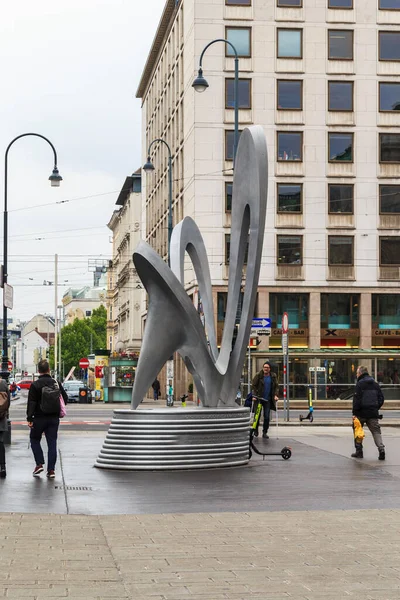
(359, 434)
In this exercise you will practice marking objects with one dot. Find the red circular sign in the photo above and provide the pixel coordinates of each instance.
(10, 365)
(84, 363)
(285, 322)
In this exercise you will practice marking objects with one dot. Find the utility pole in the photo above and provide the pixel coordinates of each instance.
(59, 343)
(55, 315)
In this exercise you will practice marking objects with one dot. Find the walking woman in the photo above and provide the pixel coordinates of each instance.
(4, 406)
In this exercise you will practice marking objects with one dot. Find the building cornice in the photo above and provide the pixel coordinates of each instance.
(163, 30)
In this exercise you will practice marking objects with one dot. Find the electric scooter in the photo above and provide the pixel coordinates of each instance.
(286, 452)
(310, 416)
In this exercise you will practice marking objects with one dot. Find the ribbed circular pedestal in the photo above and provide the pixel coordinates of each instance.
(169, 438)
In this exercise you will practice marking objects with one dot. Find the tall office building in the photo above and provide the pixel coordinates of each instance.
(322, 78)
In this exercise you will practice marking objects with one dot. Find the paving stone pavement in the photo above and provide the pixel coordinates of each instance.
(213, 556)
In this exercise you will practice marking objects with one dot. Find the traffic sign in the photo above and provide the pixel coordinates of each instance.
(10, 366)
(262, 331)
(84, 363)
(318, 369)
(8, 296)
(285, 322)
(261, 323)
(285, 345)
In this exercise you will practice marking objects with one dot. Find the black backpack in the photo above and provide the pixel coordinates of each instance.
(50, 400)
(4, 404)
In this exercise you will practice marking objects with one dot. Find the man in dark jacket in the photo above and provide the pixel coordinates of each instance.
(367, 401)
(265, 385)
(43, 423)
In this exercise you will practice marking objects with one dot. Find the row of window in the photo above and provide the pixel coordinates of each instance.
(290, 43)
(289, 95)
(340, 147)
(340, 250)
(289, 198)
(382, 4)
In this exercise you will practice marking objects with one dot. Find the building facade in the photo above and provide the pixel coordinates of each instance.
(322, 78)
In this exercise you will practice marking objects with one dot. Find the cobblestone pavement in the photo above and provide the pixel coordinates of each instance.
(212, 556)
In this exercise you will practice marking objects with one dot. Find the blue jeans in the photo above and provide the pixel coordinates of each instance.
(267, 411)
(49, 427)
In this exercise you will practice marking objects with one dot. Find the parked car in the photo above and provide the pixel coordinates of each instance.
(72, 390)
(24, 384)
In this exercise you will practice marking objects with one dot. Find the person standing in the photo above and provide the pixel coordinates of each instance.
(367, 401)
(43, 416)
(156, 388)
(4, 406)
(265, 385)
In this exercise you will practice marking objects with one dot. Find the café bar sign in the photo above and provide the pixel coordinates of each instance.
(387, 332)
(295, 332)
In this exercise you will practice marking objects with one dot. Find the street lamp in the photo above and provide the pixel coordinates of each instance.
(148, 167)
(200, 84)
(55, 179)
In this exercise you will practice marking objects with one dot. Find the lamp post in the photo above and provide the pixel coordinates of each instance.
(200, 84)
(148, 167)
(55, 179)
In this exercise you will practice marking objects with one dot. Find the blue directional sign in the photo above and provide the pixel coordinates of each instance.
(261, 323)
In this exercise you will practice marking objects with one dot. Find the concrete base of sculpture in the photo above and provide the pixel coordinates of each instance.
(168, 439)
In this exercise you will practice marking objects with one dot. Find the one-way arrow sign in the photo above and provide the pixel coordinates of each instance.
(262, 323)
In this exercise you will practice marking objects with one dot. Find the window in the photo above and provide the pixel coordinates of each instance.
(284, 3)
(296, 305)
(289, 197)
(389, 45)
(290, 250)
(290, 146)
(244, 93)
(290, 43)
(229, 139)
(389, 250)
(389, 4)
(340, 3)
(228, 196)
(389, 97)
(289, 95)
(389, 146)
(340, 44)
(340, 250)
(389, 199)
(238, 2)
(340, 147)
(228, 249)
(340, 199)
(386, 311)
(340, 311)
(340, 95)
(240, 37)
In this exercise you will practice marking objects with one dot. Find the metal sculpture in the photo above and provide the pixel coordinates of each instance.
(172, 323)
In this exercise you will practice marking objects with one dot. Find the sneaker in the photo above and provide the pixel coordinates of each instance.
(3, 473)
(256, 432)
(357, 454)
(38, 469)
(382, 455)
(51, 474)
(266, 436)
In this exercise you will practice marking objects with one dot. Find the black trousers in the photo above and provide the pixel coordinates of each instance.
(2, 450)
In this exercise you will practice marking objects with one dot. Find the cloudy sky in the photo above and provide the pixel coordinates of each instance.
(70, 70)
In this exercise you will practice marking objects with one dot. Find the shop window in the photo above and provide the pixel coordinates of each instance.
(340, 3)
(389, 97)
(340, 44)
(222, 301)
(340, 250)
(244, 93)
(389, 251)
(389, 199)
(240, 38)
(228, 249)
(228, 196)
(290, 42)
(289, 197)
(386, 311)
(340, 95)
(389, 147)
(290, 146)
(124, 376)
(389, 4)
(340, 311)
(229, 140)
(340, 199)
(389, 45)
(296, 305)
(340, 147)
(289, 94)
(290, 250)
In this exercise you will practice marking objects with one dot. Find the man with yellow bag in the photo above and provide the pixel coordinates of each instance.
(367, 401)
